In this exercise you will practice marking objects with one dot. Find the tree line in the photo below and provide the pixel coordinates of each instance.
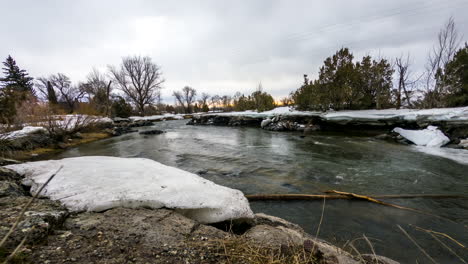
(134, 86)
(370, 83)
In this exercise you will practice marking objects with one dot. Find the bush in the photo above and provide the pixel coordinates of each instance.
(120, 108)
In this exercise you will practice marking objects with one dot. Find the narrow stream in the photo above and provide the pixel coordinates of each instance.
(257, 161)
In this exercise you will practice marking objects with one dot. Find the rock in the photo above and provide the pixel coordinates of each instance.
(77, 135)
(12, 189)
(9, 175)
(274, 236)
(377, 259)
(61, 145)
(311, 128)
(120, 120)
(140, 123)
(152, 132)
(42, 217)
(31, 141)
(464, 143)
(4, 161)
(265, 122)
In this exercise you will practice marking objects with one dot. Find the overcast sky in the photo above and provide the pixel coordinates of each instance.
(219, 47)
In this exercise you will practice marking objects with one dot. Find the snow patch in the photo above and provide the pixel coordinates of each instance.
(99, 183)
(25, 131)
(429, 137)
(457, 155)
(458, 114)
(157, 117)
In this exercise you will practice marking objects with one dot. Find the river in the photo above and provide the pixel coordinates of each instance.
(258, 161)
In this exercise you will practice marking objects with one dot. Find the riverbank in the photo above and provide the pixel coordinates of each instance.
(139, 235)
(453, 122)
(38, 142)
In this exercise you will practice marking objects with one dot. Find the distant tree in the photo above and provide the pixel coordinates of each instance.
(344, 84)
(120, 108)
(98, 89)
(448, 42)
(15, 87)
(186, 98)
(140, 79)
(405, 79)
(203, 102)
(226, 101)
(455, 76)
(68, 95)
(286, 101)
(262, 100)
(16, 79)
(215, 101)
(169, 109)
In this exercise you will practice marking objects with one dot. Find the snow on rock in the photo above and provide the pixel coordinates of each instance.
(157, 117)
(455, 115)
(23, 132)
(98, 183)
(457, 155)
(429, 137)
(434, 114)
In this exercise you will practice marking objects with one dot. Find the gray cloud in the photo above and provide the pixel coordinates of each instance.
(219, 47)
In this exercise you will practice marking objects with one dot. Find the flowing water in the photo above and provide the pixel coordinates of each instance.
(257, 161)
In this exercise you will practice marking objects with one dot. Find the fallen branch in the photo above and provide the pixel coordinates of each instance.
(265, 197)
(373, 200)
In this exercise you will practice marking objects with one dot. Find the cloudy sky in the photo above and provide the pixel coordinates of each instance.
(219, 47)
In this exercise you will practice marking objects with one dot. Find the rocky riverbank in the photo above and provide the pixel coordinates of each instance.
(39, 142)
(123, 235)
(452, 122)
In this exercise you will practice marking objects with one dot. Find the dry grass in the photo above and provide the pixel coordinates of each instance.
(238, 249)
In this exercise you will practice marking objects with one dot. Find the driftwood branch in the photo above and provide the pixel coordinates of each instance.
(285, 197)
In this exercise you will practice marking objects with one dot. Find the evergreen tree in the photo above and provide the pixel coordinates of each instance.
(456, 77)
(16, 79)
(51, 96)
(343, 84)
(16, 86)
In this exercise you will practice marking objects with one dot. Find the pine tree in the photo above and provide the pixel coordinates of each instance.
(16, 79)
(456, 76)
(51, 96)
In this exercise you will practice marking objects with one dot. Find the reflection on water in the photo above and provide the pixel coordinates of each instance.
(257, 161)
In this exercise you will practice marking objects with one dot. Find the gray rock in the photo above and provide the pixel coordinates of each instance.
(374, 259)
(12, 189)
(42, 217)
(9, 175)
(4, 161)
(152, 132)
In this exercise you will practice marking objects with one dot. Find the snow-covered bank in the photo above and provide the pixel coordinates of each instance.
(158, 117)
(25, 131)
(429, 137)
(459, 114)
(457, 155)
(65, 122)
(101, 183)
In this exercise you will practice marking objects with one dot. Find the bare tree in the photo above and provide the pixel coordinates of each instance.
(215, 101)
(448, 41)
(98, 89)
(405, 80)
(186, 98)
(226, 101)
(69, 94)
(59, 84)
(140, 79)
(203, 99)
